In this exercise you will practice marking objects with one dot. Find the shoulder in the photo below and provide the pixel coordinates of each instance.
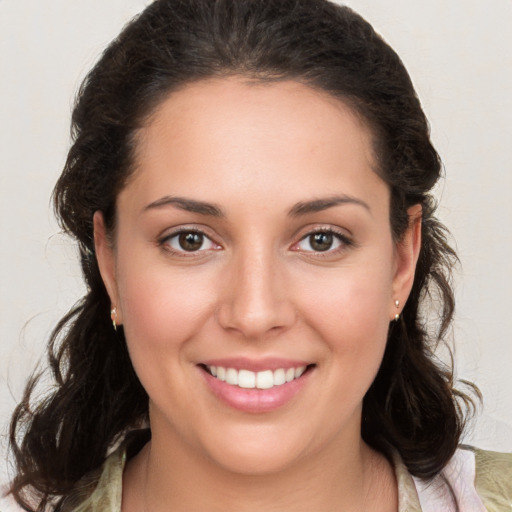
(473, 480)
(102, 489)
(493, 479)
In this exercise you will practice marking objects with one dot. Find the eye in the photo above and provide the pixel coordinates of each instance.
(323, 241)
(188, 242)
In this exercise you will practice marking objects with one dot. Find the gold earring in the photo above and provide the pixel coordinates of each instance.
(113, 316)
(397, 305)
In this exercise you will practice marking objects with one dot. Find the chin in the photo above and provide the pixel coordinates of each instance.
(258, 461)
(258, 451)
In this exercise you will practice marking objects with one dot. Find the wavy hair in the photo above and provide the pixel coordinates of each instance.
(412, 405)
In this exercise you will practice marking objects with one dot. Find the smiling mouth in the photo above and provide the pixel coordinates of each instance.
(248, 379)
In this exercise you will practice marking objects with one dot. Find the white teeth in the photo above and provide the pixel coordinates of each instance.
(232, 376)
(299, 371)
(279, 377)
(246, 379)
(265, 379)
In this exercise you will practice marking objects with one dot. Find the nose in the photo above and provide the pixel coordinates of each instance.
(256, 301)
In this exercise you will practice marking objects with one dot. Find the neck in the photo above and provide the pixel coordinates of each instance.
(164, 477)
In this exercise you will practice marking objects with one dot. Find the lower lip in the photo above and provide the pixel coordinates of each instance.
(256, 400)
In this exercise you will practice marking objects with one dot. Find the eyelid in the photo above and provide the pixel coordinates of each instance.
(341, 235)
(345, 240)
(163, 241)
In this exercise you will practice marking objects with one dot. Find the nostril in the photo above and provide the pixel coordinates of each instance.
(255, 318)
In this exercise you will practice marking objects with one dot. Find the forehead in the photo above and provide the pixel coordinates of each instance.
(235, 134)
(235, 102)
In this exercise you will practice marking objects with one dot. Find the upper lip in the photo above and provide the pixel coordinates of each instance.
(256, 365)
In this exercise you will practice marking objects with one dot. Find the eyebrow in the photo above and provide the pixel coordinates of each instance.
(298, 210)
(189, 205)
(319, 205)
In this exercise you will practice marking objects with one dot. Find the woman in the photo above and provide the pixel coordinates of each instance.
(249, 188)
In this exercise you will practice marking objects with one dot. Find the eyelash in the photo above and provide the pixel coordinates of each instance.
(344, 241)
(164, 242)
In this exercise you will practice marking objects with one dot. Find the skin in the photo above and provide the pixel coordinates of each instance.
(256, 289)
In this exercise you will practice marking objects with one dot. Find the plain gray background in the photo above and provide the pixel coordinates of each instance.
(459, 54)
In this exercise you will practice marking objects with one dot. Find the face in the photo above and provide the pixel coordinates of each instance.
(254, 272)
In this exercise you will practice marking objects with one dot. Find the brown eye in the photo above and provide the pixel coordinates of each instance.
(321, 241)
(327, 241)
(190, 241)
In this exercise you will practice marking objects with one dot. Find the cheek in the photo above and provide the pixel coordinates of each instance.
(163, 311)
(351, 301)
(349, 309)
(162, 307)
(355, 332)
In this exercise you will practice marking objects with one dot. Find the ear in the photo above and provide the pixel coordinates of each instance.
(106, 262)
(407, 253)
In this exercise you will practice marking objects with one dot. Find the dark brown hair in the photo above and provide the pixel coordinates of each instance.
(97, 398)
